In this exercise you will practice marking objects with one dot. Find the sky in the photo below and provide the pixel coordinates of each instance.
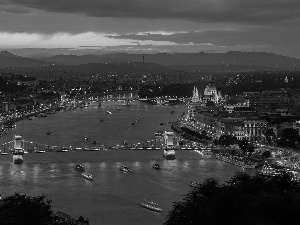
(150, 26)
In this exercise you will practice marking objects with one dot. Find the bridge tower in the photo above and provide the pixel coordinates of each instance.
(18, 149)
(169, 152)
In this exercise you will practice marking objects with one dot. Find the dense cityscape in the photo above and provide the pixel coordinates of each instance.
(258, 129)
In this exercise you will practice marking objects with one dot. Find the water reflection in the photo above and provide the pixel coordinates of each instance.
(35, 172)
(137, 165)
(185, 165)
(1, 173)
(103, 165)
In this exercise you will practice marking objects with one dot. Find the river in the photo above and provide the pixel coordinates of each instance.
(112, 198)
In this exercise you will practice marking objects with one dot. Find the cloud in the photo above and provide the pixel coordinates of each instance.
(257, 11)
(14, 9)
(234, 37)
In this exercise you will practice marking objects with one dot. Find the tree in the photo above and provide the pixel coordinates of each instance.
(246, 200)
(266, 154)
(270, 135)
(289, 137)
(242, 144)
(227, 140)
(250, 148)
(27, 210)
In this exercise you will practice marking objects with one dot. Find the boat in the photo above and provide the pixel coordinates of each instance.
(39, 151)
(207, 153)
(85, 138)
(87, 176)
(101, 119)
(79, 167)
(3, 153)
(249, 166)
(151, 203)
(151, 206)
(169, 154)
(63, 149)
(156, 166)
(94, 142)
(124, 169)
(194, 184)
(48, 132)
(125, 142)
(109, 112)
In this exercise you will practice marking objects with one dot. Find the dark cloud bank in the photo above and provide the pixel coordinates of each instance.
(196, 10)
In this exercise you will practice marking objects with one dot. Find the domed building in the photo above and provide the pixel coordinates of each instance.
(212, 94)
(211, 97)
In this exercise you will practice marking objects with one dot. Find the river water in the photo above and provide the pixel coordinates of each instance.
(112, 198)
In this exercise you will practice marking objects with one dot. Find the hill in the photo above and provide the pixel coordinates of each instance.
(8, 59)
(191, 61)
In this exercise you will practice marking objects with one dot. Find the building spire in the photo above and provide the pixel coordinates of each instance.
(195, 97)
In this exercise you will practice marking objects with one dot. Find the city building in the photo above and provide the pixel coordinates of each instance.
(212, 94)
(254, 129)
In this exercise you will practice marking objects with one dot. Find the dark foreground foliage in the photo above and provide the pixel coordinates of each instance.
(27, 210)
(246, 200)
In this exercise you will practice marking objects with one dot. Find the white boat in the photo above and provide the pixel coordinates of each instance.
(151, 206)
(87, 176)
(79, 167)
(194, 184)
(156, 166)
(206, 153)
(109, 112)
(124, 169)
(249, 166)
(39, 151)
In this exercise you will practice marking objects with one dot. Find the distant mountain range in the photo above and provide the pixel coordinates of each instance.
(200, 62)
(8, 59)
(190, 61)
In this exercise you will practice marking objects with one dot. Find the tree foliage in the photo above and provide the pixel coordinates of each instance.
(227, 140)
(27, 210)
(289, 137)
(267, 154)
(270, 135)
(243, 200)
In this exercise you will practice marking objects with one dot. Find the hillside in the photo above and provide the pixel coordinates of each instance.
(237, 60)
(8, 59)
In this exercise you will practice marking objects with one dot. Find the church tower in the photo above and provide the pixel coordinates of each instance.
(196, 97)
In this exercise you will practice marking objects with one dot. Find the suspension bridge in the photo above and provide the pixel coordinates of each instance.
(18, 147)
